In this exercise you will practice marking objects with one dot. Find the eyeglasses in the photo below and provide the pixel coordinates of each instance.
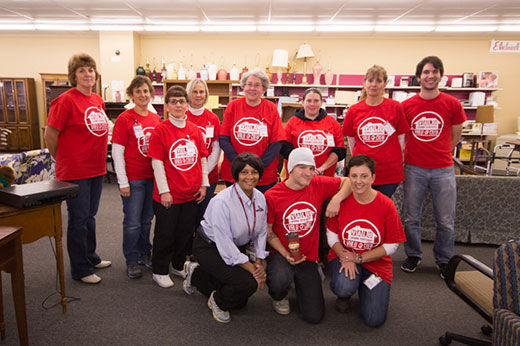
(251, 85)
(174, 102)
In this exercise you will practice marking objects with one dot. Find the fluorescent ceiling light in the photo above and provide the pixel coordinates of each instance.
(404, 28)
(344, 28)
(116, 20)
(509, 28)
(116, 27)
(16, 26)
(177, 28)
(465, 28)
(286, 28)
(60, 27)
(228, 28)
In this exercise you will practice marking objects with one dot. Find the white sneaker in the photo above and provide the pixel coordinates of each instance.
(189, 268)
(163, 280)
(91, 279)
(103, 264)
(218, 314)
(181, 273)
(282, 307)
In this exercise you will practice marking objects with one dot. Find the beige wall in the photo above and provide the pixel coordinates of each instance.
(25, 55)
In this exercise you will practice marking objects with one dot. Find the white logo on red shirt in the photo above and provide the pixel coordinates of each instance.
(372, 132)
(183, 154)
(299, 217)
(206, 140)
(247, 131)
(361, 235)
(96, 121)
(427, 126)
(144, 141)
(315, 140)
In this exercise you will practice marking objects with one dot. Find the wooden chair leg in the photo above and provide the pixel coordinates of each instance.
(2, 323)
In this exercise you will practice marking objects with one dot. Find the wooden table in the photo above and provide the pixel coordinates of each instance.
(37, 222)
(11, 261)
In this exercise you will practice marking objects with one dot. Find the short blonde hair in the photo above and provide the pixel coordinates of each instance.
(77, 61)
(191, 85)
(373, 72)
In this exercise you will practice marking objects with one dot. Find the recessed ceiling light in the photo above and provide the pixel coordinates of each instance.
(465, 28)
(404, 28)
(344, 28)
(286, 28)
(228, 28)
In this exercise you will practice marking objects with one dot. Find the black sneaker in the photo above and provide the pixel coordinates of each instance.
(145, 260)
(410, 264)
(133, 271)
(342, 305)
(443, 270)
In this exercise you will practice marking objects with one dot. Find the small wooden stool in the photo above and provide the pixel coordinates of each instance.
(11, 261)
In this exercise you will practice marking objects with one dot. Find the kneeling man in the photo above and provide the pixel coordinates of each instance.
(294, 208)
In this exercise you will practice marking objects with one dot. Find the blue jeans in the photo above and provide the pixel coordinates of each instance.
(81, 227)
(443, 190)
(386, 189)
(373, 303)
(307, 281)
(137, 221)
(210, 191)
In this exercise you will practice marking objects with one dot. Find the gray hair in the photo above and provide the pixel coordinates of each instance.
(191, 85)
(258, 73)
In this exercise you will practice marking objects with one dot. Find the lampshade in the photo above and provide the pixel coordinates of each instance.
(280, 58)
(305, 51)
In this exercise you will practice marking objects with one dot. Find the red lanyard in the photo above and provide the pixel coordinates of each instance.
(244, 209)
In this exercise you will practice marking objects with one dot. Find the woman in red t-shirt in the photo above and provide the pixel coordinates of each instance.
(362, 237)
(130, 140)
(179, 161)
(77, 136)
(376, 126)
(209, 125)
(312, 128)
(252, 124)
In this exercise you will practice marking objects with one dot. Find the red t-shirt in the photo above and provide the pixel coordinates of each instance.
(428, 144)
(375, 129)
(180, 149)
(299, 211)
(363, 227)
(319, 136)
(83, 138)
(205, 122)
(252, 129)
(128, 127)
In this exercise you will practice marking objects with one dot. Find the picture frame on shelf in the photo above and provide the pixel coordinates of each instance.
(488, 79)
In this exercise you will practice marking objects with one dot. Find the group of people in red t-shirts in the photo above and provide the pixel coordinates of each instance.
(170, 169)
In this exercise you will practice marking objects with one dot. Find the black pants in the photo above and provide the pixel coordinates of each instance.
(233, 284)
(174, 227)
(309, 295)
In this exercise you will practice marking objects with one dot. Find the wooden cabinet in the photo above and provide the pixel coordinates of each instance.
(19, 114)
(220, 88)
(53, 85)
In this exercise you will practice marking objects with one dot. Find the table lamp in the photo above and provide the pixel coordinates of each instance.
(280, 60)
(304, 52)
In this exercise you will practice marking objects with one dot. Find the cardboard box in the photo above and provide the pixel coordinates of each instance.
(485, 114)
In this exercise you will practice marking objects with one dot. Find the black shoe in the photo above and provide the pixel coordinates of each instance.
(410, 264)
(133, 271)
(145, 260)
(342, 305)
(443, 270)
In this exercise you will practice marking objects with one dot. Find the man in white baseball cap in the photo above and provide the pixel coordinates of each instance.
(294, 205)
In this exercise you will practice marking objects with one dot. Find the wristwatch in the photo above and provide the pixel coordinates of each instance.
(360, 258)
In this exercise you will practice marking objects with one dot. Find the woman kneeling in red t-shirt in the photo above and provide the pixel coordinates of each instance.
(179, 161)
(362, 237)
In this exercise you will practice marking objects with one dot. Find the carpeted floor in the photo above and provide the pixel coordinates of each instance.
(120, 311)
